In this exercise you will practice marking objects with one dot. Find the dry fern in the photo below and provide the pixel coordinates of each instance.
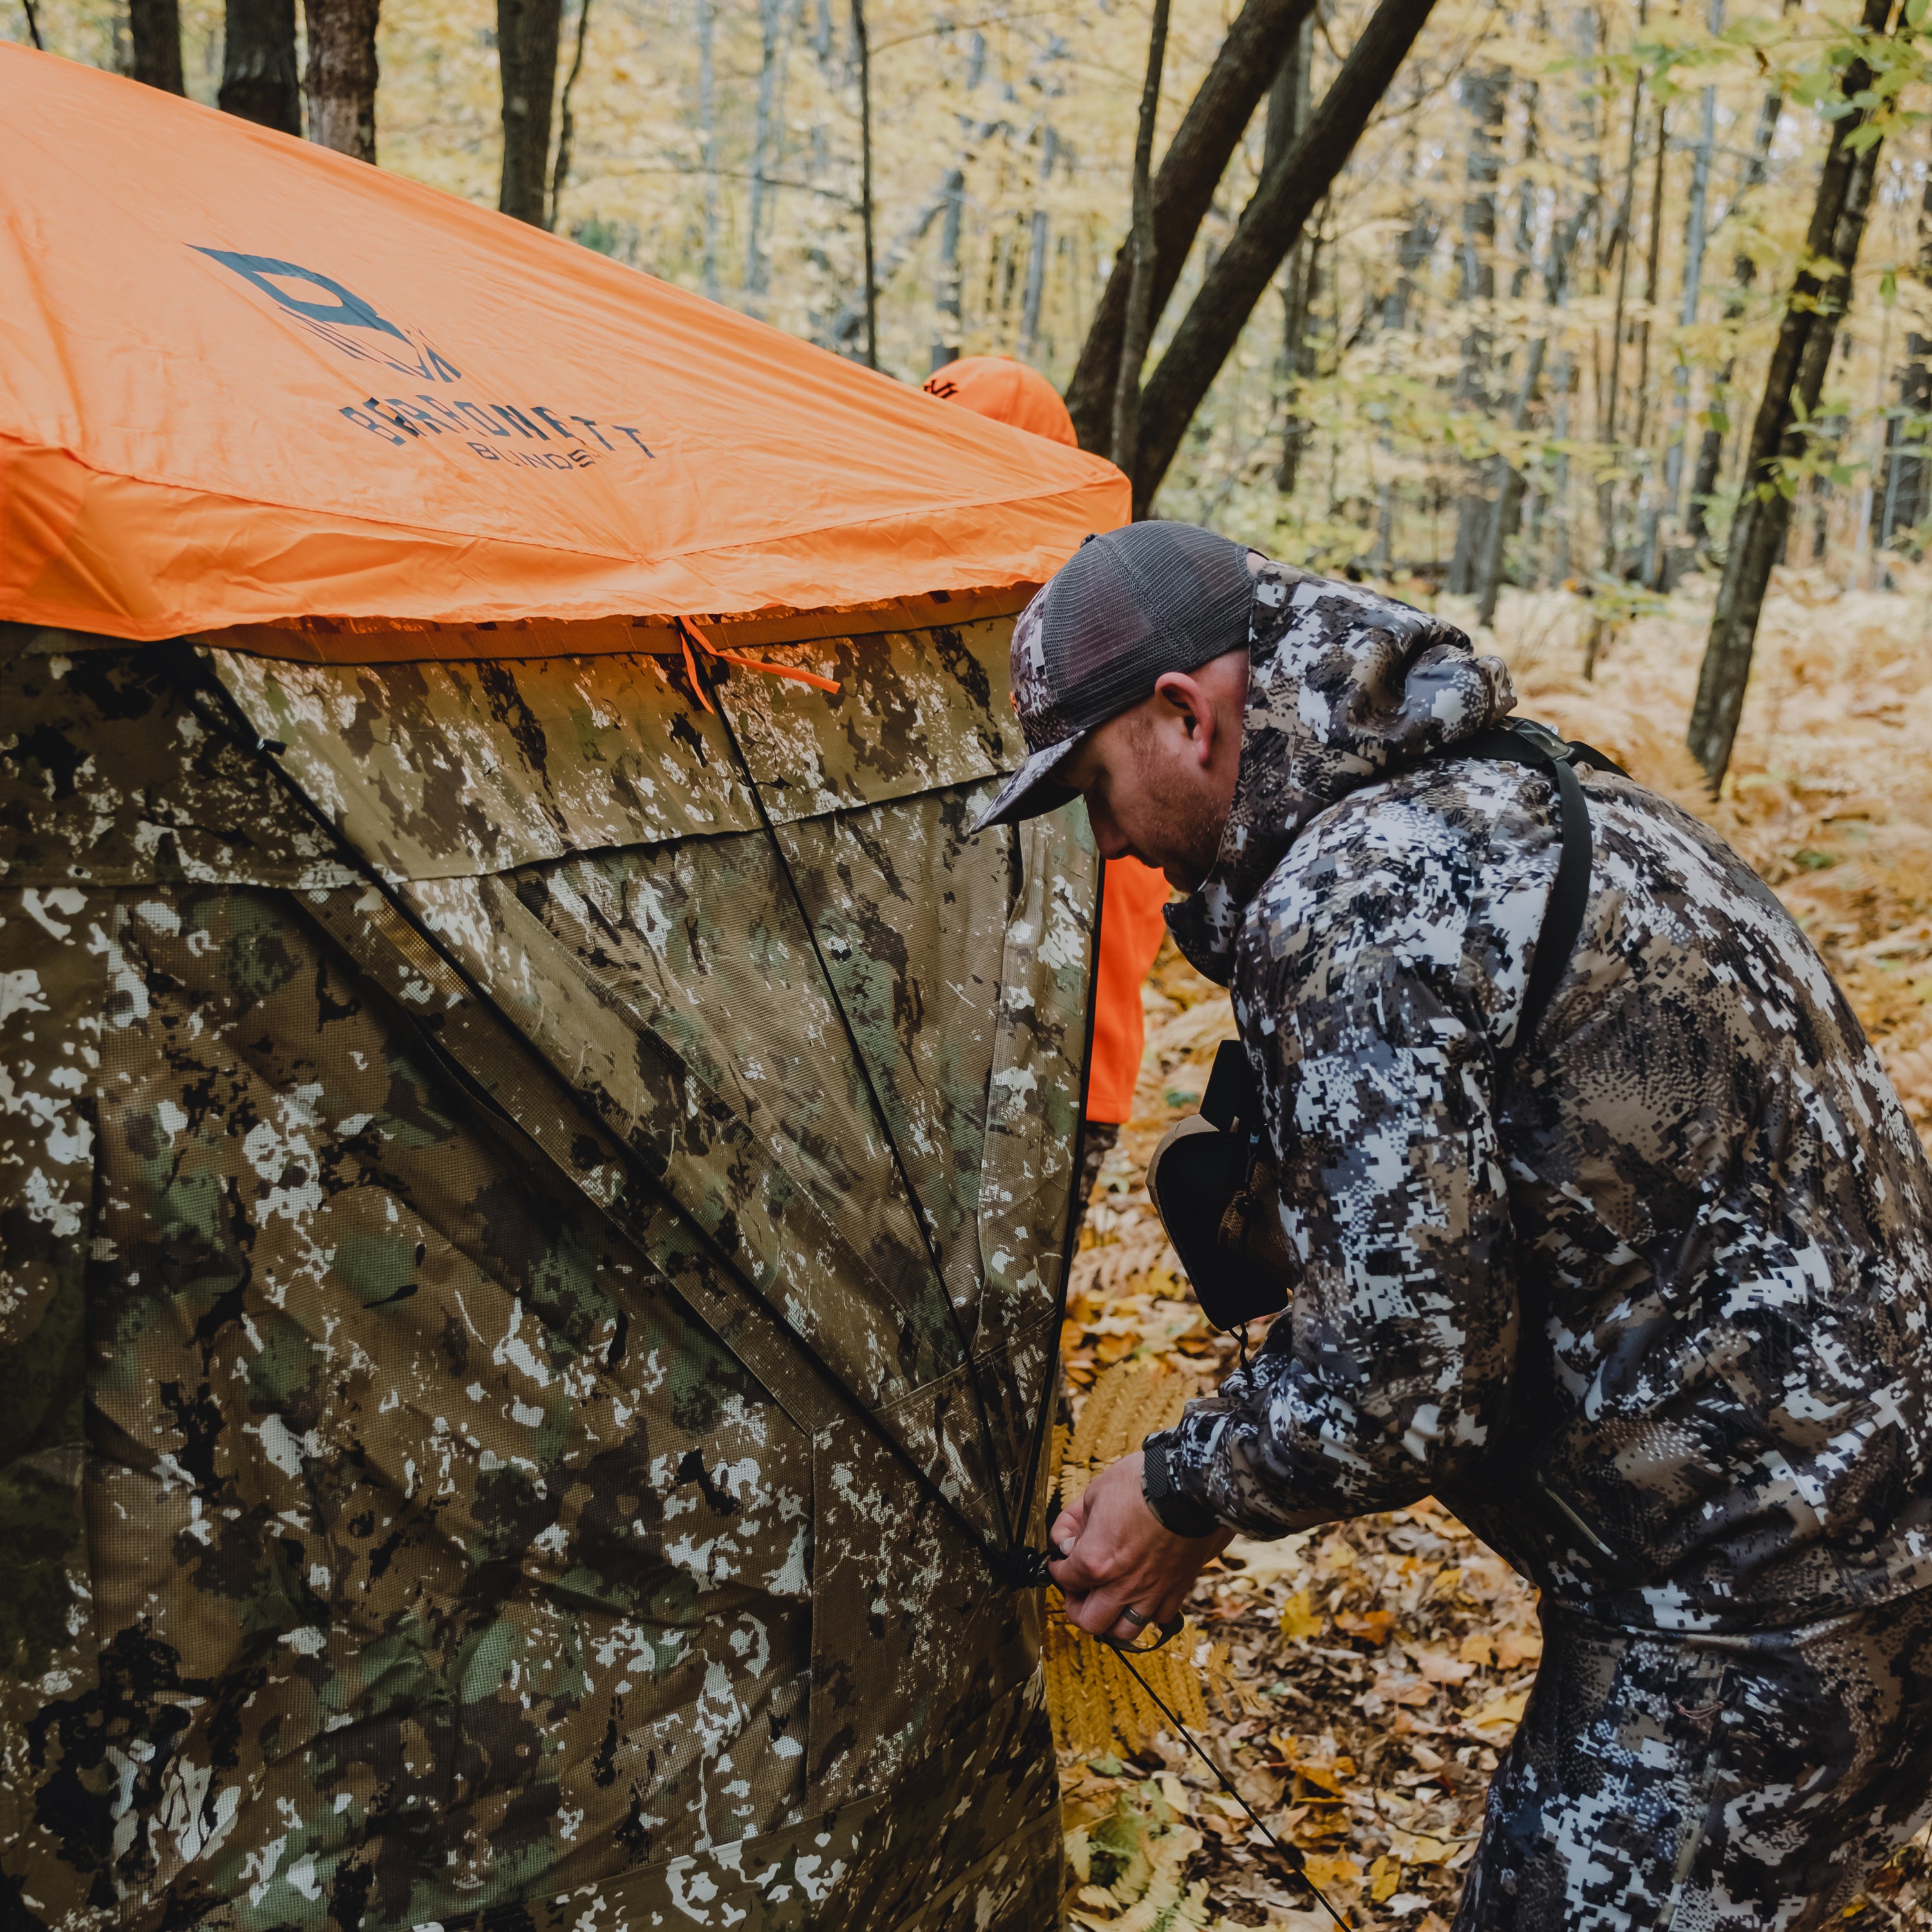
(1098, 1706)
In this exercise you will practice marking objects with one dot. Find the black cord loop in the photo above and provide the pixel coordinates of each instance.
(983, 1414)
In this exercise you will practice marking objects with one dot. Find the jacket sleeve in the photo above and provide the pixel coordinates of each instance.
(1377, 974)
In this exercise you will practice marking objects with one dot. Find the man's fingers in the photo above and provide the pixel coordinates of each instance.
(1074, 1573)
(1064, 1534)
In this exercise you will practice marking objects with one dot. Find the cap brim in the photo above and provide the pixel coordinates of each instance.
(1030, 790)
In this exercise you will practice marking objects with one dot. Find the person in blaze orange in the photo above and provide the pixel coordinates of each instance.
(1130, 931)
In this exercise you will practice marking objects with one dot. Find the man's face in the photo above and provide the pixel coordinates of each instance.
(1160, 779)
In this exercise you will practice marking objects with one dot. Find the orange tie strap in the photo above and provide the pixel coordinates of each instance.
(689, 634)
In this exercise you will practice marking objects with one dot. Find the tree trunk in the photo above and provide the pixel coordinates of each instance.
(566, 121)
(1645, 493)
(707, 135)
(1620, 240)
(527, 33)
(259, 80)
(1791, 390)
(1036, 252)
(155, 27)
(772, 15)
(1902, 503)
(1508, 482)
(1484, 96)
(1660, 155)
(1290, 102)
(1305, 284)
(862, 45)
(1665, 566)
(342, 75)
(1269, 226)
(1744, 270)
(1139, 323)
(946, 286)
(1183, 189)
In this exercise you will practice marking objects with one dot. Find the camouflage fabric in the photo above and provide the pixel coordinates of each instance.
(1707, 1781)
(1653, 1316)
(400, 1540)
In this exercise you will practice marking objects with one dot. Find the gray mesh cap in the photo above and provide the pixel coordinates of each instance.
(1125, 609)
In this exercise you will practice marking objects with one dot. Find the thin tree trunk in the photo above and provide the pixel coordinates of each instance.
(1744, 271)
(1290, 102)
(1036, 252)
(32, 13)
(1484, 97)
(1565, 386)
(772, 15)
(1269, 226)
(1606, 427)
(947, 289)
(342, 75)
(1139, 324)
(707, 136)
(566, 121)
(1305, 262)
(155, 27)
(1508, 482)
(1184, 189)
(946, 286)
(1664, 566)
(1791, 390)
(862, 46)
(527, 33)
(259, 81)
(1646, 490)
(1903, 502)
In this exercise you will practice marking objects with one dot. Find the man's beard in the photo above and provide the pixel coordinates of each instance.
(1191, 830)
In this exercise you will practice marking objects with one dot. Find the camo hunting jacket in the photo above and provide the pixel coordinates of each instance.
(1651, 1312)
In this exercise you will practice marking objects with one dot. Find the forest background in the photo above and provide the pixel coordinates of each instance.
(1602, 329)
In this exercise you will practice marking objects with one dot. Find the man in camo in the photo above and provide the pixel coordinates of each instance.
(1649, 1310)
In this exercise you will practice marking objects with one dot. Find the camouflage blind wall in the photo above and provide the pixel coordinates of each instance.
(396, 1540)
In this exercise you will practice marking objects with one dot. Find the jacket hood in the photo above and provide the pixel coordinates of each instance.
(1344, 685)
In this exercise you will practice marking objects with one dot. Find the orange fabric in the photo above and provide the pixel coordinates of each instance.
(1131, 927)
(1130, 931)
(1006, 391)
(245, 380)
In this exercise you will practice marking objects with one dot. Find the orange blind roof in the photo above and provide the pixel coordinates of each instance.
(247, 381)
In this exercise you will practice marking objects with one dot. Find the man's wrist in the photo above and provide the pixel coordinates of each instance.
(1178, 1514)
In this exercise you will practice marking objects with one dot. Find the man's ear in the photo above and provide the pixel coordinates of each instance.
(1194, 707)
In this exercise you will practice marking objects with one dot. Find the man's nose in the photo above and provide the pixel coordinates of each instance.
(1109, 839)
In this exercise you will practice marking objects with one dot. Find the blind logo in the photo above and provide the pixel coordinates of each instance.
(356, 328)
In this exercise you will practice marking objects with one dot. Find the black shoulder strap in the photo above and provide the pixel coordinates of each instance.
(1524, 742)
(1231, 1094)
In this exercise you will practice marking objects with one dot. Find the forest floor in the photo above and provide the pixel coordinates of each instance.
(1361, 1680)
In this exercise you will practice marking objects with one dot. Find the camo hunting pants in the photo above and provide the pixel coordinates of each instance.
(1695, 1782)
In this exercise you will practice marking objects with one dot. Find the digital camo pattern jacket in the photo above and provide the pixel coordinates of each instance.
(389, 1542)
(1652, 1318)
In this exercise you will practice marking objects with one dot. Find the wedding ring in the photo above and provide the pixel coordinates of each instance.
(1134, 1617)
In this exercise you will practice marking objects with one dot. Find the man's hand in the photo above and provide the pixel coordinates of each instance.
(1120, 1558)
